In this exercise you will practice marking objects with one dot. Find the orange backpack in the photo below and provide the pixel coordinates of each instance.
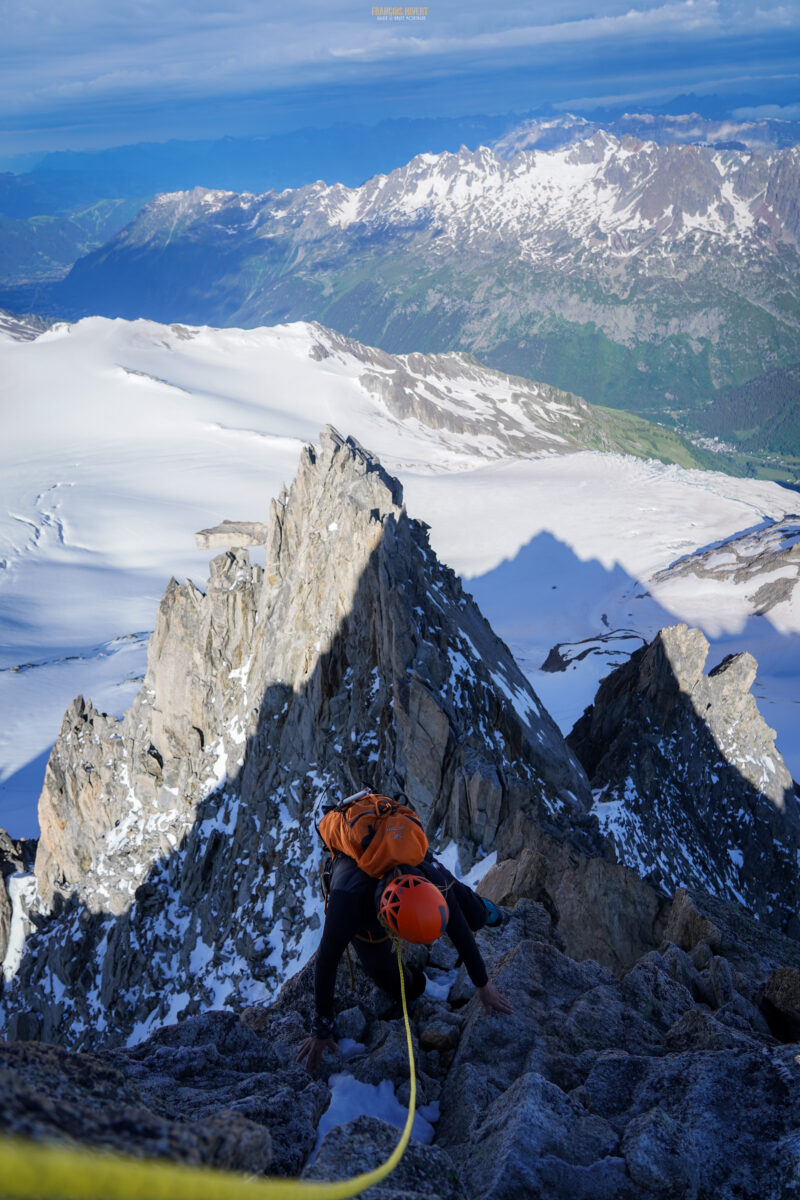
(377, 832)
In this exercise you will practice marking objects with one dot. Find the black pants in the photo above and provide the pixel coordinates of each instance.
(378, 958)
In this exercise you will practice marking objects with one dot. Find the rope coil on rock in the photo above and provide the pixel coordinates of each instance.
(38, 1171)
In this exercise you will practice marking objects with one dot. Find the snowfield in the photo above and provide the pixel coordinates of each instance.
(122, 439)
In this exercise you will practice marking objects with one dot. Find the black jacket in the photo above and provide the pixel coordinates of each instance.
(352, 912)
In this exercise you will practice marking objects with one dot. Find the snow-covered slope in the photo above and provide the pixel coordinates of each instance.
(19, 329)
(566, 553)
(122, 440)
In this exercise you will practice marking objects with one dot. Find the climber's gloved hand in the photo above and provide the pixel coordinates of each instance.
(323, 1037)
(492, 1000)
(312, 1049)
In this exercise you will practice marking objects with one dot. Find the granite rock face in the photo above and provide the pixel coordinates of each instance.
(177, 864)
(687, 779)
(16, 858)
(636, 1087)
(602, 909)
(232, 535)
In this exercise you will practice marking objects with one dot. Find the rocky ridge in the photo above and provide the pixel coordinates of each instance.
(454, 393)
(687, 779)
(679, 1079)
(16, 859)
(491, 414)
(177, 865)
(772, 550)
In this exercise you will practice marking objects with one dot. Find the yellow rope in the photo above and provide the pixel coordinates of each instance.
(40, 1171)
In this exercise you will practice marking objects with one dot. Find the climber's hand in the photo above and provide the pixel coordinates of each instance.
(312, 1050)
(492, 1000)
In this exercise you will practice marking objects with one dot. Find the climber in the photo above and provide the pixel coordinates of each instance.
(351, 918)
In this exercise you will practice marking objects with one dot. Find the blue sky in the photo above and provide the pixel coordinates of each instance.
(86, 73)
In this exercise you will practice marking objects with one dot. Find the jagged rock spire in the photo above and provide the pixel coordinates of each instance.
(689, 782)
(187, 828)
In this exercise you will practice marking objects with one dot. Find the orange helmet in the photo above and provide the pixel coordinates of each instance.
(415, 909)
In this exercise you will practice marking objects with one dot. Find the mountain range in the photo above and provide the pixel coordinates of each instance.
(636, 275)
(541, 618)
(62, 182)
(71, 202)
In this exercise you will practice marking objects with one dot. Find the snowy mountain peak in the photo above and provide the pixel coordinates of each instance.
(598, 185)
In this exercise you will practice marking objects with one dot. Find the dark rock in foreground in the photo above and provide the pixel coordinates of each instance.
(365, 1143)
(676, 1080)
(95, 1101)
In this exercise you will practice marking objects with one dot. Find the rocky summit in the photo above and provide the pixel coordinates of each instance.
(688, 780)
(177, 867)
(158, 969)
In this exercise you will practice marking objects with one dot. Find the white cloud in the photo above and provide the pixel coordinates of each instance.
(60, 61)
(52, 51)
(678, 18)
(779, 112)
